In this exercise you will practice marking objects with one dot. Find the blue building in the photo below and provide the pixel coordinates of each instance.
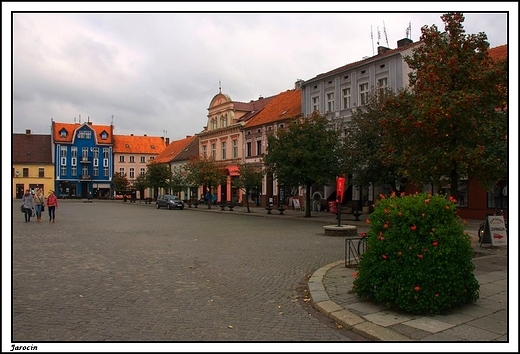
(83, 157)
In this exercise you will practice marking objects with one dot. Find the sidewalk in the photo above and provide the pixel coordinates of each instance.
(329, 291)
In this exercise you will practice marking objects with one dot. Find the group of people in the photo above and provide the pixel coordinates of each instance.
(34, 203)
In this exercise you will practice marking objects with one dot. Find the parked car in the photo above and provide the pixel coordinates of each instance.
(169, 201)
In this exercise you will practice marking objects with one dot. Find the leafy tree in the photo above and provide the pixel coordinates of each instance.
(120, 181)
(206, 172)
(455, 124)
(140, 184)
(158, 176)
(366, 155)
(250, 178)
(178, 181)
(305, 153)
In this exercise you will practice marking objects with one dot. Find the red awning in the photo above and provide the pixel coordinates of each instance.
(233, 170)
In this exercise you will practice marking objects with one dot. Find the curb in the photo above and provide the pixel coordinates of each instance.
(357, 324)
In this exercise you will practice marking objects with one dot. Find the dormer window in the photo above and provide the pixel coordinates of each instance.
(153, 146)
(63, 133)
(127, 146)
(104, 135)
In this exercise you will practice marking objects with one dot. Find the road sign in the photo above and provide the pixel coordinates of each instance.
(495, 231)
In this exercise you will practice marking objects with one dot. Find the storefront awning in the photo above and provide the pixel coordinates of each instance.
(233, 170)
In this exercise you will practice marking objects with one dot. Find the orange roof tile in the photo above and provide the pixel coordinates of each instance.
(138, 144)
(71, 128)
(498, 53)
(172, 150)
(285, 105)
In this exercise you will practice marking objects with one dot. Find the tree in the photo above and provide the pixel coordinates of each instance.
(206, 172)
(178, 181)
(305, 153)
(250, 178)
(158, 176)
(140, 184)
(455, 124)
(366, 155)
(120, 182)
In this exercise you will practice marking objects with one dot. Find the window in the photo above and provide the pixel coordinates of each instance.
(96, 171)
(259, 147)
(151, 158)
(74, 171)
(223, 150)
(41, 172)
(121, 158)
(63, 151)
(224, 121)
(132, 159)
(84, 152)
(316, 103)
(105, 153)
(84, 134)
(63, 133)
(213, 124)
(204, 151)
(25, 172)
(235, 149)
(74, 151)
(214, 151)
(143, 159)
(122, 171)
(104, 135)
(105, 171)
(84, 171)
(330, 102)
(382, 85)
(95, 152)
(346, 98)
(363, 94)
(497, 197)
(142, 171)
(248, 151)
(63, 170)
(132, 173)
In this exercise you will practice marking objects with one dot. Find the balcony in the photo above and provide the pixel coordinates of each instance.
(85, 159)
(85, 177)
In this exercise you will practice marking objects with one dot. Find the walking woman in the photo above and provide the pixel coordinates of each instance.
(52, 205)
(28, 205)
(39, 203)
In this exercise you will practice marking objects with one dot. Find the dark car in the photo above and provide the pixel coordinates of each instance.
(169, 201)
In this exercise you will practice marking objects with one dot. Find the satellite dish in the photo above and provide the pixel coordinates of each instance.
(17, 173)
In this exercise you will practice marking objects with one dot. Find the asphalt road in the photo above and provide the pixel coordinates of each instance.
(110, 271)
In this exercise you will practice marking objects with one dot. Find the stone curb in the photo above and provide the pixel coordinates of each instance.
(321, 302)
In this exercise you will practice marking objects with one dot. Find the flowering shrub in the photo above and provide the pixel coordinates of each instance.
(418, 258)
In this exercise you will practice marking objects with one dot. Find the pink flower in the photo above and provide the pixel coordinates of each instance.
(417, 288)
(384, 256)
(413, 227)
(435, 243)
(427, 201)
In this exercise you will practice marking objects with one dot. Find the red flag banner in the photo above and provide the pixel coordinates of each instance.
(340, 185)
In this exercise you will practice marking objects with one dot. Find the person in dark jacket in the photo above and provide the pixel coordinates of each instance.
(28, 204)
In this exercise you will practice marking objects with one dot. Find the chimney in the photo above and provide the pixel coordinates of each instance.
(188, 136)
(89, 123)
(298, 84)
(403, 42)
(381, 50)
(145, 135)
(131, 134)
(28, 132)
(167, 141)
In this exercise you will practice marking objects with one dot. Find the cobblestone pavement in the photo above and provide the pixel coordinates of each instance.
(110, 271)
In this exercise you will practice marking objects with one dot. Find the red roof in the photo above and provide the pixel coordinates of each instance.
(174, 149)
(71, 128)
(285, 105)
(498, 53)
(138, 144)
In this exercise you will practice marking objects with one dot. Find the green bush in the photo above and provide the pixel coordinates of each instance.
(418, 258)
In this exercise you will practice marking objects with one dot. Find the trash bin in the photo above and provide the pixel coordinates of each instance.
(332, 207)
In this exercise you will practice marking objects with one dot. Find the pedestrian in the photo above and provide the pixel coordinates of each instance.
(214, 198)
(28, 205)
(39, 204)
(52, 205)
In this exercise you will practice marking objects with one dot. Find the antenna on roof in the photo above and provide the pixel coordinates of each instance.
(79, 119)
(386, 38)
(378, 35)
(409, 30)
(219, 86)
(112, 121)
(165, 133)
(372, 38)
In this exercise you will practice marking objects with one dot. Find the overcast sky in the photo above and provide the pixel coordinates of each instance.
(156, 73)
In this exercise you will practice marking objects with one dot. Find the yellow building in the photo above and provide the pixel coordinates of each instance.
(32, 163)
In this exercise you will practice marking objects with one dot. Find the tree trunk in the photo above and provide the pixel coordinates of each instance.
(308, 201)
(454, 187)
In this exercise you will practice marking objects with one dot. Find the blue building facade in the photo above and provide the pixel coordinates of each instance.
(83, 156)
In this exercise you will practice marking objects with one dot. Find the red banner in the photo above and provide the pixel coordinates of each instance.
(340, 185)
